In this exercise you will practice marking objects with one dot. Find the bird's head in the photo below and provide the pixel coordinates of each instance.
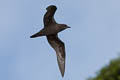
(51, 7)
(63, 27)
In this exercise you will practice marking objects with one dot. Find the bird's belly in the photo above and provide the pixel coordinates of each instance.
(50, 31)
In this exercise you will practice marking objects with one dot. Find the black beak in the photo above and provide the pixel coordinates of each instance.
(68, 27)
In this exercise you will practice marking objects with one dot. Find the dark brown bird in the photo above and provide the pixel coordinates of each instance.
(50, 30)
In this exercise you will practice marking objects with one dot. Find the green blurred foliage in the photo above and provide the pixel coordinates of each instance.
(109, 72)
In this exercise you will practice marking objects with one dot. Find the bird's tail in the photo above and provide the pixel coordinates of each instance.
(36, 35)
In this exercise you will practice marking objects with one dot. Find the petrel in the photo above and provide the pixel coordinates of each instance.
(50, 30)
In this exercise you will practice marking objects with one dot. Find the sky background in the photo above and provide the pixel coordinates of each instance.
(92, 41)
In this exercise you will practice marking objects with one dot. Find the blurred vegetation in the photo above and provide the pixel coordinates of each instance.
(109, 72)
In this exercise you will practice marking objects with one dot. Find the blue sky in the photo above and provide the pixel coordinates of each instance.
(92, 41)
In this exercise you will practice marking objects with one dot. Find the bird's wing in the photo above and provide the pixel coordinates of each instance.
(59, 47)
(49, 18)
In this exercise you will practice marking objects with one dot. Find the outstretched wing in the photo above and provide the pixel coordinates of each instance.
(49, 17)
(59, 47)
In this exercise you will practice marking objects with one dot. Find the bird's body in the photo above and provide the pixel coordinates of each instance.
(50, 30)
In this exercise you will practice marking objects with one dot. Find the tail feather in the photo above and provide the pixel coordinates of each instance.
(35, 35)
(38, 34)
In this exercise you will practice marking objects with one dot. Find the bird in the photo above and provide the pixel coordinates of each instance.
(51, 30)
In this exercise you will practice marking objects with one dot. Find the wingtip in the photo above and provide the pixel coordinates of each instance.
(62, 75)
(61, 68)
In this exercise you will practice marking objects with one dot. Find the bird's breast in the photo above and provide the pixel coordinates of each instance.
(51, 30)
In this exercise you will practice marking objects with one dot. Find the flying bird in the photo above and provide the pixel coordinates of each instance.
(51, 30)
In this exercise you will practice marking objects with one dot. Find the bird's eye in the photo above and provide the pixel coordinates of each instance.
(65, 25)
